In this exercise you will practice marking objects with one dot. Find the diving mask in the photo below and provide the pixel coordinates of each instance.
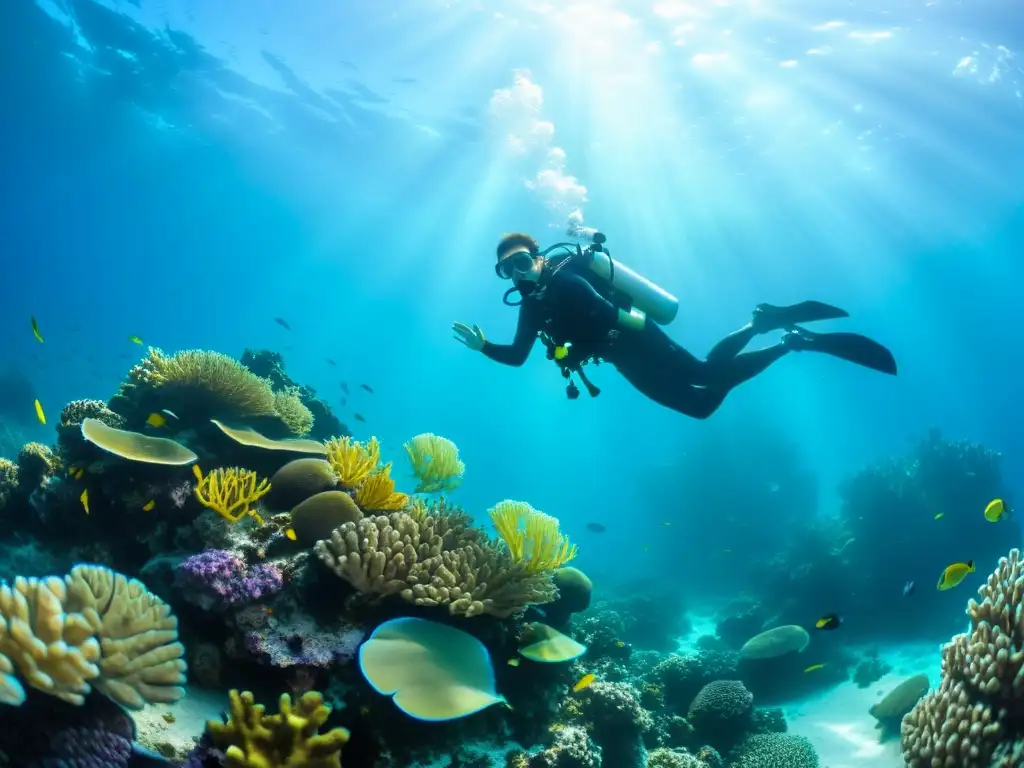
(519, 261)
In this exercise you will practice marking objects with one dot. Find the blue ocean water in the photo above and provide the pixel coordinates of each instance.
(187, 172)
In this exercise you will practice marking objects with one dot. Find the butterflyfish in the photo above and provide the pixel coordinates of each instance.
(35, 330)
(156, 420)
(135, 339)
(84, 498)
(39, 413)
(584, 682)
(829, 622)
(996, 510)
(954, 574)
(149, 506)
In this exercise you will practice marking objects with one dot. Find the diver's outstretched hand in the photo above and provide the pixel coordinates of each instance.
(471, 337)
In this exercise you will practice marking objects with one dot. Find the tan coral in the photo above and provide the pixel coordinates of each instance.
(141, 658)
(433, 561)
(965, 721)
(52, 651)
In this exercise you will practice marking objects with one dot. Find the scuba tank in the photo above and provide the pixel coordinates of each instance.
(651, 299)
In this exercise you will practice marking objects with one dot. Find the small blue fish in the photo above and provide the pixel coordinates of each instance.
(908, 589)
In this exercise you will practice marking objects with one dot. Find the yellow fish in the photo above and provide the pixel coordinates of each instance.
(79, 473)
(39, 413)
(135, 339)
(996, 511)
(290, 533)
(939, 516)
(584, 682)
(814, 668)
(954, 574)
(156, 420)
(513, 662)
(35, 330)
(149, 506)
(72, 469)
(84, 498)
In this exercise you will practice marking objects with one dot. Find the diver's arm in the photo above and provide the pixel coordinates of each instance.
(527, 330)
(581, 293)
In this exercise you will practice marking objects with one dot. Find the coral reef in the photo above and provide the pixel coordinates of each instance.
(976, 713)
(774, 750)
(721, 712)
(215, 579)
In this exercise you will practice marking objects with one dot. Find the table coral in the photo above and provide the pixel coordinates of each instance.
(290, 739)
(975, 714)
(433, 561)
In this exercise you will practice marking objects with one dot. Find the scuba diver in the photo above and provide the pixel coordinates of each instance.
(586, 307)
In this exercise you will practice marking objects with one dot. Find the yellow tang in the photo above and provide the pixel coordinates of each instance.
(135, 339)
(584, 682)
(84, 498)
(39, 413)
(156, 420)
(814, 668)
(954, 574)
(290, 533)
(996, 511)
(35, 330)
(149, 506)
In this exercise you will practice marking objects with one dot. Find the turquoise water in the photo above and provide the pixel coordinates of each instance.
(187, 172)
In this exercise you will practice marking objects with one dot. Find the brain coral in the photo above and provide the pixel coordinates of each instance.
(775, 750)
(721, 712)
(974, 719)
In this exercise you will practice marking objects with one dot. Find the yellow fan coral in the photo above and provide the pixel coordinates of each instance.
(287, 740)
(532, 537)
(352, 460)
(435, 461)
(377, 492)
(230, 492)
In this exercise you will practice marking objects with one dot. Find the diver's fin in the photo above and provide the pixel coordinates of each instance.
(848, 346)
(768, 317)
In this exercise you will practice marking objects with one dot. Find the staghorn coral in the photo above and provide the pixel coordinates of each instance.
(230, 492)
(92, 628)
(435, 462)
(531, 536)
(439, 560)
(975, 714)
(773, 750)
(295, 415)
(252, 739)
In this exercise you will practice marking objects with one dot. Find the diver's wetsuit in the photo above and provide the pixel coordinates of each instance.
(571, 310)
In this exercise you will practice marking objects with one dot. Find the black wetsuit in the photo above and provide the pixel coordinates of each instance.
(570, 309)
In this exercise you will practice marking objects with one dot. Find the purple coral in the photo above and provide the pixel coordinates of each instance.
(218, 579)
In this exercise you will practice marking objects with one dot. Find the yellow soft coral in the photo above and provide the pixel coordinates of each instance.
(377, 492)
(287, 740)
(230, 492)
(352, 460)
(532, 537)
(435, 461)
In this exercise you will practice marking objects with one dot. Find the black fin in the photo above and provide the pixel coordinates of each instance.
(768, 317)
(852, 347)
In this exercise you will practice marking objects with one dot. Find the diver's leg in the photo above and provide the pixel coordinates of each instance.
(744, 366)
(732, 344)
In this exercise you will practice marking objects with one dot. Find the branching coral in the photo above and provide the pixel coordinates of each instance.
(437, 560)
(92, 628)
(435, 461)
(976, 712)
(230, 492)
(296, 416)
(252, 739)
(532, 537)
